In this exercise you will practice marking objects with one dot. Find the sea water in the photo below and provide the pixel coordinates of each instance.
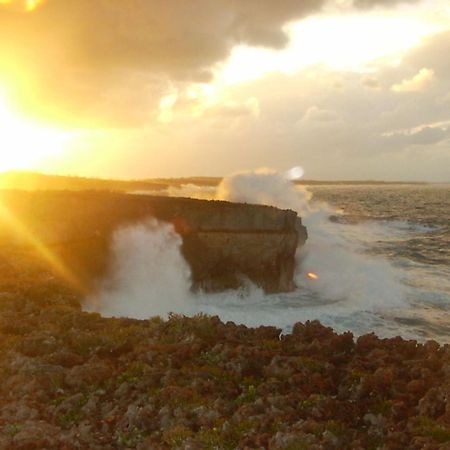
(381, 254)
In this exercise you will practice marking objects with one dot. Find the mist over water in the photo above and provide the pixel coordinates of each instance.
(333, 251)
(359, 287)
(149, 275)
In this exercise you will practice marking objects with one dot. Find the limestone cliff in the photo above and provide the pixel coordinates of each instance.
(224, 243)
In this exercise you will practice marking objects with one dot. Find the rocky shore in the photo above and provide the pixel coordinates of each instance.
(74, 380)
(223, 243)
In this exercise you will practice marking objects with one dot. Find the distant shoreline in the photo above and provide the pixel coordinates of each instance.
(39, 181)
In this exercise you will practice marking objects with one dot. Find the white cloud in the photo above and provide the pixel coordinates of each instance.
(316, 114)
(417, 83)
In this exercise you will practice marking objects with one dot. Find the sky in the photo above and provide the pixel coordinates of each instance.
(347, 89)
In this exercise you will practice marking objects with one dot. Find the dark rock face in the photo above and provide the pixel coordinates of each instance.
(224, 243)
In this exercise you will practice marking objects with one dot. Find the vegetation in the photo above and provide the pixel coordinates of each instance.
(72, 379)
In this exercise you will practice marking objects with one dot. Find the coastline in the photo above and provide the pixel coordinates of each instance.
(73, 379)
(77, 380)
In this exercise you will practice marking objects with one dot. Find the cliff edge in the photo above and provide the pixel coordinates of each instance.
(224, 243)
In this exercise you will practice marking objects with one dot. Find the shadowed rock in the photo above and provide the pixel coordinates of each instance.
(224, 243)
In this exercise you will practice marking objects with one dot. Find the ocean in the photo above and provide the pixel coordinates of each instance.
(409, 227)
(381, 254)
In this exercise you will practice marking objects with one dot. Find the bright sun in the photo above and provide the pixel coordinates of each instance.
(25, 144)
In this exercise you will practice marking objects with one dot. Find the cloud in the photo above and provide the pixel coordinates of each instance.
(433, 54)
(108, 62)
(417, 83)
(424, 135)
(231, 110)
(180, 107)
(318, 115)
(87, 58)
(370, 82)
(382, 3)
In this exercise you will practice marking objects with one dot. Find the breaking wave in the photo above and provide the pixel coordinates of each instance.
(354, 290)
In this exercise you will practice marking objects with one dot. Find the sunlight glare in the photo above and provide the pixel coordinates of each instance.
(22, 5)
(24, 144)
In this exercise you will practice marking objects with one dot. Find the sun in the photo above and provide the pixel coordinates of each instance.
(25, 144)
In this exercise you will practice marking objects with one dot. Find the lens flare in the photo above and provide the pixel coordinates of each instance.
(31, 5)
(22, 5)
(312, 276)
(295, 173)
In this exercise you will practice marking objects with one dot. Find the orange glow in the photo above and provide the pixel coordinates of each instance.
(312, 276)
(22, 5)
(31, 5)
(25, 144)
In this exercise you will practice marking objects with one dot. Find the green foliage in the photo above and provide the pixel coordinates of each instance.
(200, 325)
(383, 407)
(130, 438)
(11, 430)
(298, 444)
(311, 402)
(134, 372)
(337, 428)
(311, 364)
(428, 427)
(211, 357)
(248, 395)
(215, 438)
(177, 436)
(74, 415)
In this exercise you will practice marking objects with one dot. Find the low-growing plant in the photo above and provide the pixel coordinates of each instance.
(248, 395)
(177, 436)
(131, 437)
(428, 427)
(11, 430)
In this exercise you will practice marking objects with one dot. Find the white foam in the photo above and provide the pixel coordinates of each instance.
(334, 251)
(150, 277)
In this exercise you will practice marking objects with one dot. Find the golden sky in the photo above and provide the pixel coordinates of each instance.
(348, 89)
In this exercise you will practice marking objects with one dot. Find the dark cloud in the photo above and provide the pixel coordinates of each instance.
(109, 61)
(100, 58)
(370, 82)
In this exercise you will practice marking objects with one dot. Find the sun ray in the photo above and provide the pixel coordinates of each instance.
(18, 229)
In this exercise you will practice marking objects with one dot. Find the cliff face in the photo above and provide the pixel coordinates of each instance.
(224, 243)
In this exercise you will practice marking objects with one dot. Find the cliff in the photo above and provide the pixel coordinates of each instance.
(224, 243)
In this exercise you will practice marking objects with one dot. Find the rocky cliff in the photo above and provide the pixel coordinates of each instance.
(224, 243)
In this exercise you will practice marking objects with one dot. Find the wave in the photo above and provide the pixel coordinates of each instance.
(150, 277)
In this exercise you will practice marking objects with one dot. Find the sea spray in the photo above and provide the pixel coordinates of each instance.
(150, 276)
(335, 252)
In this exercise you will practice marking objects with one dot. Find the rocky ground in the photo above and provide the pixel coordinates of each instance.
(74, 380)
